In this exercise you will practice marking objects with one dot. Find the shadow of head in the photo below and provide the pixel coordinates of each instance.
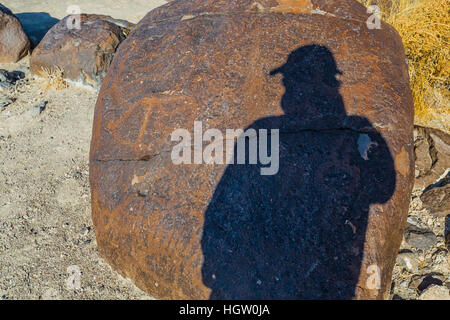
(300, 233)
(310, 82)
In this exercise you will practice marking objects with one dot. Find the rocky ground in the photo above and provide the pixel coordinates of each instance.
(423, 264)
(45, 214)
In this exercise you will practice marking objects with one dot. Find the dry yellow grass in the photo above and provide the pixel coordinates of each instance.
(424, 26)
(53, 79)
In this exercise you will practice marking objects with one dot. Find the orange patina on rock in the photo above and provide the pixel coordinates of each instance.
(293, 6)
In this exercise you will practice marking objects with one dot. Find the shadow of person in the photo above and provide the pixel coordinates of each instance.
(299, 233)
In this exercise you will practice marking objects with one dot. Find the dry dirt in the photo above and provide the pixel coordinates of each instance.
(45, 218)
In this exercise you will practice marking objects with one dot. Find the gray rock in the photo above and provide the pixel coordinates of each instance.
(420, 282)
(14, 76)
(3, 75)
(421, 240)
(435, 292)
(5, 101)
(37, 109)
(418, 235)
(409, 261)
(416, 224)
(4, 86)
(8, 79)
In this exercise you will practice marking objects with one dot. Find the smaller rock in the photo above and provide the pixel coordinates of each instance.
(402, 292)
(3, 75)
(16, 75)
(41, 106)
(409, 261)
(37, 109)
(143, 189)
(418, 235)
(4, 86)
(441, 141)
(437, 200)
(416, 224)
(422, 146)
(435, 292)
(5, 101)
(83, 55)
(78, 175)
(422, 282)
(85, 243)
(441, 261)
(421, 240)
(85, 231)
(432, 155)
(14, 43)
(12, 76)
(8, 79)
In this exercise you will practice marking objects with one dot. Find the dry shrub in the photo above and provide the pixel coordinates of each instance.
(53, 78)
(424, 26)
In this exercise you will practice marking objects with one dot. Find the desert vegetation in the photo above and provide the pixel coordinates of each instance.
(424, 28)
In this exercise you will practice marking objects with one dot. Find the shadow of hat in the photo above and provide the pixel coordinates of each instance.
(309, 60)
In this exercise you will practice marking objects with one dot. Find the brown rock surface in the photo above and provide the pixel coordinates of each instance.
(328, 224)
(14, 43)
(83, 54)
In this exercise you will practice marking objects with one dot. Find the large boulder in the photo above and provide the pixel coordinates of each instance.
(326, 221)
(83, 54)
(14, 43)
